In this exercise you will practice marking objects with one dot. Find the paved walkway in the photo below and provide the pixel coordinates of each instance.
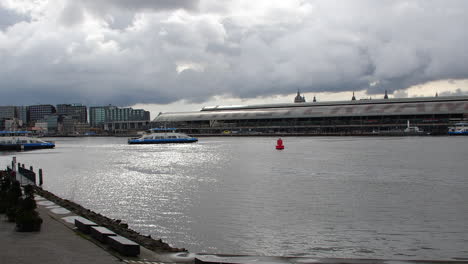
(55, 243)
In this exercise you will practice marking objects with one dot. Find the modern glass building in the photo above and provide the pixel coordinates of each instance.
(100, 115)
(7, 112)
(37, 112)
(77, 112)
(23, 113)
(97, 115)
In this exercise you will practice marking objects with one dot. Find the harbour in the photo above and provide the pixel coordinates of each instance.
(324, 197)
(234, 132)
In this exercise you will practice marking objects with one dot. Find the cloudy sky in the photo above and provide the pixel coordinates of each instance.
(169, 55)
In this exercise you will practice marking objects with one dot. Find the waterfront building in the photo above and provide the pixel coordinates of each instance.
(12, 124)
(126, 114)
(97, 115)
(22, 113)
(37, 112)
(117, 127)
(120, 120)
(66, 126)
(7, 112)
(434, 115)
(77, 112)
(113, 118)
(82, 128)
(49, 123)
(40, 128)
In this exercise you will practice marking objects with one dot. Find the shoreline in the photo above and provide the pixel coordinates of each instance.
(115, 225)
(402, 134)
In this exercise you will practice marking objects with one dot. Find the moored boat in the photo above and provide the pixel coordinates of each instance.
(15, 140)
(162, 136)
(459, 129)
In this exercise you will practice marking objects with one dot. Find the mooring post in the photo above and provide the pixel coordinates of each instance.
(40, 178)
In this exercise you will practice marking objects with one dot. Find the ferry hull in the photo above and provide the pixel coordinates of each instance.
(458, 133)
(26, 147)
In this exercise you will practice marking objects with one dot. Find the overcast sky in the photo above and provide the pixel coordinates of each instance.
(196, 52)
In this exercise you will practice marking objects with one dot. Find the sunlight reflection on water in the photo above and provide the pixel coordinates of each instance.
(325, 197)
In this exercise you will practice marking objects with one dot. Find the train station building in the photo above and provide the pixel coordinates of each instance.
(433, 115)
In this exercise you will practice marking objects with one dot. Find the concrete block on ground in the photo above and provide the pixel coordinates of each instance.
(101, 233)
(124, 246)
(84, 225)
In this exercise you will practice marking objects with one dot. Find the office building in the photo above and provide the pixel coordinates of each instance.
(77, 112)
(37, 112)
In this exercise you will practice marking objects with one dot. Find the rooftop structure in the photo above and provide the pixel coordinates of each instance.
(299, 98)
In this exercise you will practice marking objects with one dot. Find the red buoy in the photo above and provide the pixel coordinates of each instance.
(279, 144)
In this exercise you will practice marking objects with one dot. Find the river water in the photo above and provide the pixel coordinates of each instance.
(350, 197)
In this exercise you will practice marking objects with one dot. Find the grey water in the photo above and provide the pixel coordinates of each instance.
(347, 197)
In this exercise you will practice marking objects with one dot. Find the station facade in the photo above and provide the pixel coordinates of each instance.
(356, 117)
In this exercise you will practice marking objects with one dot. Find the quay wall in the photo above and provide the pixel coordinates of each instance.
(115, 225)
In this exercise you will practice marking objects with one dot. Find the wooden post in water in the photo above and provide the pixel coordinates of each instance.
(40, 178)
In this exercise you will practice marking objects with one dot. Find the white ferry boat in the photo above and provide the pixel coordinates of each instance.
(412, 129)
(459, 129)
(162, 136)
(17, 140)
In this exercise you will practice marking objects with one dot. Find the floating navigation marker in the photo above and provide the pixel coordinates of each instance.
(279, 144)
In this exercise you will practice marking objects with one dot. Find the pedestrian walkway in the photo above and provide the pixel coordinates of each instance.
(55, 243)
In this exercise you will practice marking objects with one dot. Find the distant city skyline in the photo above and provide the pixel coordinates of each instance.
(181, 55)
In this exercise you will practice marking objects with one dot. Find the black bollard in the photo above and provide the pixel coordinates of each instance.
(40, 177)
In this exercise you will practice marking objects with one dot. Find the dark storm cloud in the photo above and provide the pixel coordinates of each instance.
(9, 17)
(144, 4)
(127, 52)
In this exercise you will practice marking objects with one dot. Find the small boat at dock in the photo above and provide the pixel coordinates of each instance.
(162, 136)
(459, 129)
